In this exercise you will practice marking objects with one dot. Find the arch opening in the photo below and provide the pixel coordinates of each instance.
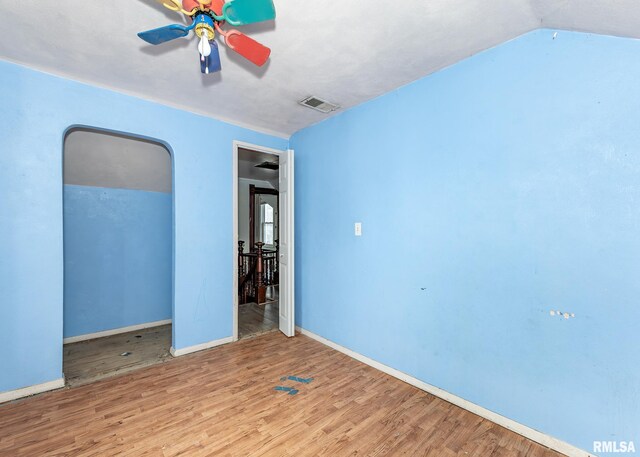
(118, 252)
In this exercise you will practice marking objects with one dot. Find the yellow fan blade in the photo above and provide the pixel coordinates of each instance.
(176, 5)
(171, 4)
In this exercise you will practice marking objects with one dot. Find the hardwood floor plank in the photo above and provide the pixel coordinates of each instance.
(222, 402)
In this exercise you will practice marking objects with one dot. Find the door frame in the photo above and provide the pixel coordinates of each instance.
(254, 147)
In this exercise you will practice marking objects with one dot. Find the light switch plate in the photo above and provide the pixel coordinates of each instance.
(358, 228)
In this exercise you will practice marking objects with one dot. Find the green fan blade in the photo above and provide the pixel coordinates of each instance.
(242, 12)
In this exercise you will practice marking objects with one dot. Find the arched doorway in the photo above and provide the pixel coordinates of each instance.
(118, 253)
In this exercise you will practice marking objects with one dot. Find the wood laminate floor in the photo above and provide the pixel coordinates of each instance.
(91, 360)
(222, 402)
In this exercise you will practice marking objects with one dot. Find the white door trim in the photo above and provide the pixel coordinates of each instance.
(254, 147)
(286, 261)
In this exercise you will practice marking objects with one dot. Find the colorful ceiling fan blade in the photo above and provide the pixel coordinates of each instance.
(216, 6)
(166, 33)
(247, 47)
(211, 63)
(242, 12)
(173, 5)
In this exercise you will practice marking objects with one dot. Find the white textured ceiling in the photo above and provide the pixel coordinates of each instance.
(346, 52)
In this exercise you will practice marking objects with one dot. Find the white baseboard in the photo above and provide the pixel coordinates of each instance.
(115, 331)
(31, 390)
(200, 347)
(527, 432)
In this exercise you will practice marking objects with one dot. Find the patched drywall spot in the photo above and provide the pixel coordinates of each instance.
(562, 314)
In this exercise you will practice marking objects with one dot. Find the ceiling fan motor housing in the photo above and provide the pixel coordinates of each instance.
(204, 22)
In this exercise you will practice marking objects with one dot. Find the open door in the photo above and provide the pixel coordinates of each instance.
(287, 290)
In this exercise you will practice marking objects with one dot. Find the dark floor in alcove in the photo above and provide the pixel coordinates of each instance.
(91, 360)
(254, 319)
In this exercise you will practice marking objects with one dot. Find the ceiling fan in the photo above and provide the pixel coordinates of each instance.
(208, 17)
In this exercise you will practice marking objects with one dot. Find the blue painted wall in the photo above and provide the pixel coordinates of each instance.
(37, 108)
(117, 258)
(507, 185)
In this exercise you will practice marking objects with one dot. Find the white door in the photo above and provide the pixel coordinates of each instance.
(286, 267)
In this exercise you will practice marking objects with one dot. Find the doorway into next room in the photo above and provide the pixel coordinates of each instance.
(258, 242)
(118, 256)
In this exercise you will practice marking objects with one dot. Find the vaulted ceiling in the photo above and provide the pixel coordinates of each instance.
(346, 52)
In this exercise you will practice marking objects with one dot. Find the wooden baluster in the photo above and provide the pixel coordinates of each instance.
(241, 269)
(266, 271)
(261, 290)
(267, 275)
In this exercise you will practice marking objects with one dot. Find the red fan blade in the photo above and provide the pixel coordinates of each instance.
(247, 47)
(216, 6)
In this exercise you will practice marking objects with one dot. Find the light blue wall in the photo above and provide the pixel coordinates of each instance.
(505, 186)
(36, 110)
(117, 258)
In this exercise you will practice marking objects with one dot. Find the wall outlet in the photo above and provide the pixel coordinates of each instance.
(357, 228)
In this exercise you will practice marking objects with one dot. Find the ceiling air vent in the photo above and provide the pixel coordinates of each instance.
(268, 165)
(319, 104)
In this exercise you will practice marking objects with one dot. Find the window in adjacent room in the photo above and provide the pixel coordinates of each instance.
(266, 216)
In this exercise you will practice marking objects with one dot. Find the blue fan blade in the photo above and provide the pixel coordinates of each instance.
(164, 34)
(211, 63)
(242, 12)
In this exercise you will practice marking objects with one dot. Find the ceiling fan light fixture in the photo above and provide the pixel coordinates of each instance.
(204, 48)
(211, 63)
